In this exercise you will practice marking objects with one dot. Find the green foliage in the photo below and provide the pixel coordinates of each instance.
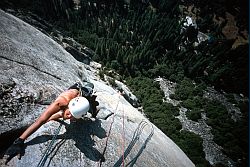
(195, 102)
(226, 132)
(215, 110)
(184, 89)
(231, 99)
(141, 41)
(188, 89)
(163, 116)
(189, 103)
(101, 74)
(191, 144)
(194, 114)
(130, 36)
(112, 82)
(115, 65)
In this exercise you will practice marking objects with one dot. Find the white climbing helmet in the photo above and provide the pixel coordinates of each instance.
(78, 107)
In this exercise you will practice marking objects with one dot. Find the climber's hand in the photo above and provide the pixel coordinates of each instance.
(16, 149)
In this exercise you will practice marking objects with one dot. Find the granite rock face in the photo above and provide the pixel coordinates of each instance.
(34, 70)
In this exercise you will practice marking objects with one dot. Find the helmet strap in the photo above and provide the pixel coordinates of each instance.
(80, 92)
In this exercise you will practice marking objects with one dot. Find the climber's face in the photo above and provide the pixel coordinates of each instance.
(67, 114)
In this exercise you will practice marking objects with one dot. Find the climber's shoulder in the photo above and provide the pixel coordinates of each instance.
(66, 96)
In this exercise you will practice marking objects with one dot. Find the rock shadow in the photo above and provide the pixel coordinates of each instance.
(82, 132)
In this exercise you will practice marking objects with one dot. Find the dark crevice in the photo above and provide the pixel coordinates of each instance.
(105, 118)
(7, 138)
(32, 67)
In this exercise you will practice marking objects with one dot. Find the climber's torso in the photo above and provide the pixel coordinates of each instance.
(65, 97)
(63, 100)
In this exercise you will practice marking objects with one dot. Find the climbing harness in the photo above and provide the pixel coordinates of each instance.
(48, 150)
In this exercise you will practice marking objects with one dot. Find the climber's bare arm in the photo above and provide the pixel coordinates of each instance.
(61, 114)
(52, 109)
(59, 104)
(56, 116)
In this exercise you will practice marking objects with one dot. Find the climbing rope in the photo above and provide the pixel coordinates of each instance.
(55, 150)
(109, 132)
(135, 138)
(106, 142)
(132, 162)
(48, 150)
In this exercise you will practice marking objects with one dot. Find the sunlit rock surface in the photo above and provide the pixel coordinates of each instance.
(34, 70)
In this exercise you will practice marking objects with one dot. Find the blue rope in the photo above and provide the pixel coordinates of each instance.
(133, 161)
(135, 138)
(47, 151)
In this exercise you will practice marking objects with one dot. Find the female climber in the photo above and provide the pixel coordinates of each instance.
(74, 103)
